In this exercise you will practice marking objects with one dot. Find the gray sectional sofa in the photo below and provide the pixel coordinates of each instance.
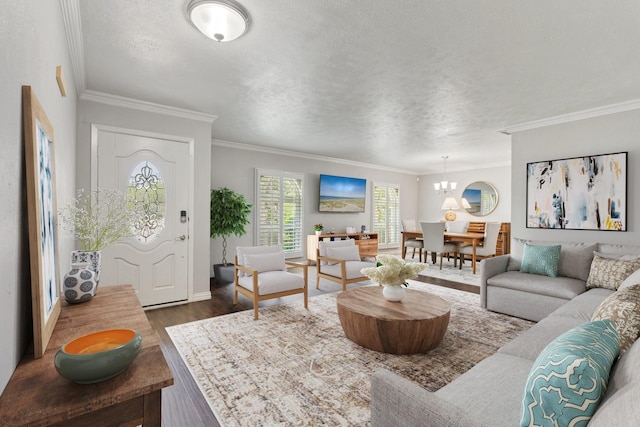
(491, 393)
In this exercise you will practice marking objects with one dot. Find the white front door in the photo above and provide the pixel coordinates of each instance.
(155, 173)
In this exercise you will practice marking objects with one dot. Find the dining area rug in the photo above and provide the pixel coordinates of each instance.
(295, 367)
(451, 273)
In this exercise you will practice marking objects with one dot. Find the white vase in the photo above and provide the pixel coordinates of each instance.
(93, 258)
(393, 293)
(318, 232)
(79, 283)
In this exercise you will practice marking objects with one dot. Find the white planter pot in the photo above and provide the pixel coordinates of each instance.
(393, 293)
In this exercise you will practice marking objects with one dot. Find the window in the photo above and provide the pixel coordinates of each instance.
(279, 207)
(146, 190)
(386, 214)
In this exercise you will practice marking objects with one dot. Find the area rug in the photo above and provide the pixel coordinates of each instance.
(453, 274)
(295, 367)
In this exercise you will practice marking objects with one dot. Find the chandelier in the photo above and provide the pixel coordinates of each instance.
(444, 186)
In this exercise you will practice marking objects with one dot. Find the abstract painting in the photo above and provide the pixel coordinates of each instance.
(580, 193)
(42, 213)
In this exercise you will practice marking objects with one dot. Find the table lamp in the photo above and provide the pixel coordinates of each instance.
(448, 205)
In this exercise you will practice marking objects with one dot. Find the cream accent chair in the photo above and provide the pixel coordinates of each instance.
(340, 262)
(489, 243)
(411, 225)
(261, 274)
(433, 236)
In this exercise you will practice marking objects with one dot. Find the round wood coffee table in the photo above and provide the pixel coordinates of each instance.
(417, 324)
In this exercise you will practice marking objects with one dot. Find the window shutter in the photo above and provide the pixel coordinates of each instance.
(386, 214)
(280, 210)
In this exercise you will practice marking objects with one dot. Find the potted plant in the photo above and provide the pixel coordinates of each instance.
(318, 229)
(392, 273)
(229, 215)
(96, 220)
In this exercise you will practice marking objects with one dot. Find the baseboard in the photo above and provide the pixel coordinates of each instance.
(200, 296)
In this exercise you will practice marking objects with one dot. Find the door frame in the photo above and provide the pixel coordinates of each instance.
(95, 128)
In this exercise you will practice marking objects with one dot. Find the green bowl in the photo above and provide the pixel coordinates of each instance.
(98, 356)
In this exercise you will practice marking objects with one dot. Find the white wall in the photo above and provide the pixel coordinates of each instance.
(606, 134)
(90, 112)
(234, 168)
(431, 202)
(33, 44)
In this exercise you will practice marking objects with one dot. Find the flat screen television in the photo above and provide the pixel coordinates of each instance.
(342, 194)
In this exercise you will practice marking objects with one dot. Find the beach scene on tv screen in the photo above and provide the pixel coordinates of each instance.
(342, 194)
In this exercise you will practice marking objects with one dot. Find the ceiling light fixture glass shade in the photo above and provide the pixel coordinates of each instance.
(220, 20)
(445, 186)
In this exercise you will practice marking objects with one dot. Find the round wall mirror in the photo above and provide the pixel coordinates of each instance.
(479, 198)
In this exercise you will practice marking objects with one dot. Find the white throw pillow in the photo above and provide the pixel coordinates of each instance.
(347, 253)
(633, 279)
(265, 262)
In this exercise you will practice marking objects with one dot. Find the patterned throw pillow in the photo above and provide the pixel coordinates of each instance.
(610, 273)
(540, 260)
(570, 376)
(623, 308)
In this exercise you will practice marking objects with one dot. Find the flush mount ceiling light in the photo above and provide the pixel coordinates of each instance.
(220, 20)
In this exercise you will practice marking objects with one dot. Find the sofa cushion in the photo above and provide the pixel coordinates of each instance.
(241, 251)
(265, 262)
(569, 377)
(323, 245)
(610, 273)
(559, 287)
(491, 390)
(623, 308)
(531, 342)
(575, 258)
(623, 257)
(347, 253)
(540, 260)
(584, 305)
(353, 269)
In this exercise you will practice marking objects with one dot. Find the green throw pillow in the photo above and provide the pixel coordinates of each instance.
(540, 260)
(569, 377)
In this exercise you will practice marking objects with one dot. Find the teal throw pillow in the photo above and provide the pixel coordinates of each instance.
(569, 377)
(540, 260)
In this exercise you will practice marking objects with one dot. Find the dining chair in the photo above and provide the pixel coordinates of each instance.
(340, 262)
(411, 225)
(488, 246)
(260, 273)
(433, 241)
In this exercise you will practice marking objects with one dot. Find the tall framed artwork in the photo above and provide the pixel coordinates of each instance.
(579, 193)
(42, 214)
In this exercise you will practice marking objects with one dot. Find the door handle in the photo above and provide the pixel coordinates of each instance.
(183, 237)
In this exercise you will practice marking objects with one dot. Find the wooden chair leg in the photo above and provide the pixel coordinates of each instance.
(404, 252)
(255, 309)
(317, 282)
(441, 255)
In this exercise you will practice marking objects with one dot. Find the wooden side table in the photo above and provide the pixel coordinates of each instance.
(417, 324)
(37, 396)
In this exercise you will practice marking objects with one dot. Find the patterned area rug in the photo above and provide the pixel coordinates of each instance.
(295, 367)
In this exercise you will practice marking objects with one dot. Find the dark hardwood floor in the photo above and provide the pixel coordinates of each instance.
(183, 404)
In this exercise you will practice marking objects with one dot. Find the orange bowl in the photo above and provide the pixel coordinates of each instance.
(98, 356)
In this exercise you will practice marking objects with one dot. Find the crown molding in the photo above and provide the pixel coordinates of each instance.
(572, 117)
(151, 107)
(73, 29)
(280, 152)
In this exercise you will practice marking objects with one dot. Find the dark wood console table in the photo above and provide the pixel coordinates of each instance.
(37, 396)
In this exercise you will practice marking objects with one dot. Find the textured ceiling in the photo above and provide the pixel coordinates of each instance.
(391, 83)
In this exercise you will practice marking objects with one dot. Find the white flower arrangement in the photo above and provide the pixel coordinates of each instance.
(99, 218)
(391, 270)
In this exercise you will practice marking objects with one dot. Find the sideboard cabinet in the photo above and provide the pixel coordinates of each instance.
(367, 243)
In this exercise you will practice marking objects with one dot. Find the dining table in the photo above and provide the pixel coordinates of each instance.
(475, 239)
